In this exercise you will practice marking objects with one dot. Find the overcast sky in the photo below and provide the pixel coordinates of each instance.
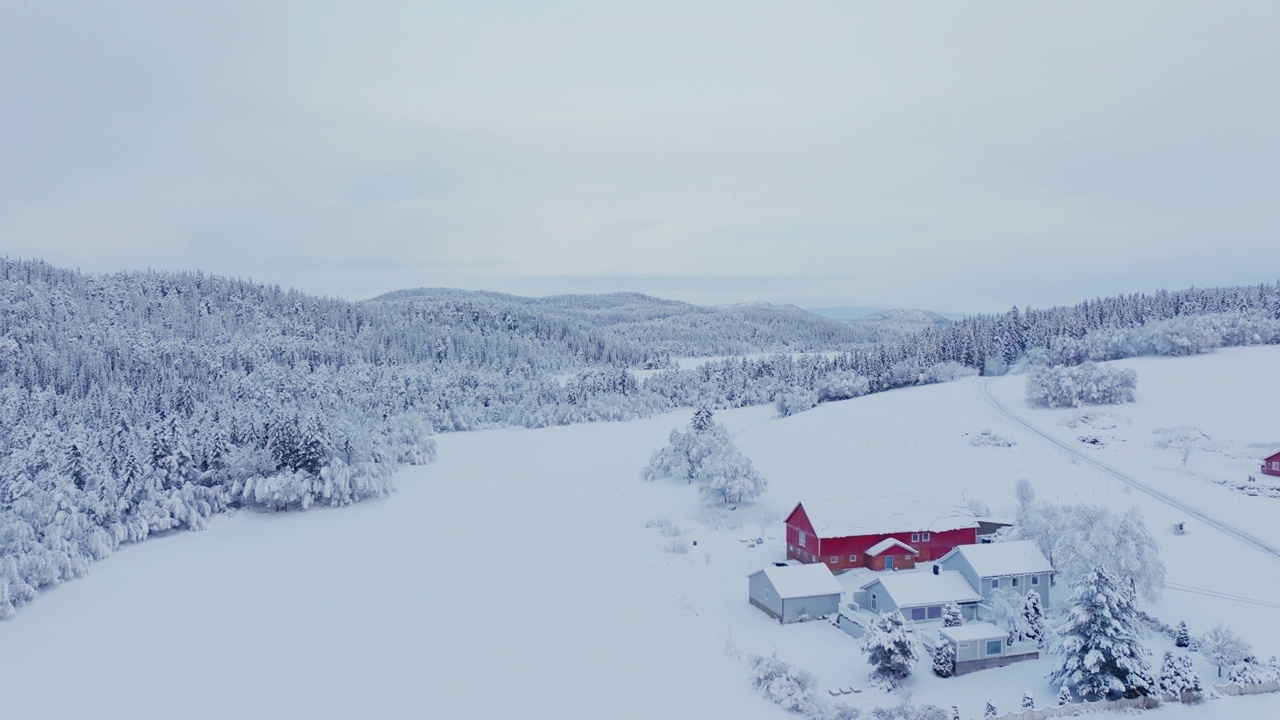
(954, 156)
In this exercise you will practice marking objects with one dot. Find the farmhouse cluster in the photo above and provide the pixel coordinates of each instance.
(908, 554)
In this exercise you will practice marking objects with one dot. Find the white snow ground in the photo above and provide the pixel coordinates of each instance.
(516, 576)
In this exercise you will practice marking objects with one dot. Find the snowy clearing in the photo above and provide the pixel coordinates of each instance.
(516, 575)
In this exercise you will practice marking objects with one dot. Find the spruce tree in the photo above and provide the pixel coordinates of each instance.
(990, 710)
(1033, 619)
(1183, 637)
(892, 650)
(1064, 695)
(951, 616)
(1099, 650)
(944, 659)
(1028, 702)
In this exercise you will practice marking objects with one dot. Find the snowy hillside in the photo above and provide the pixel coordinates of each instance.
(517, 573)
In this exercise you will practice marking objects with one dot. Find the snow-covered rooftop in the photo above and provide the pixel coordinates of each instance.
(846, 517)
(1019, 557)
(918, 589)
(797, 581)
(887, 543)
(974, 632)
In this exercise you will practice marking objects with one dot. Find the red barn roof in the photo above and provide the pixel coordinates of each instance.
(851, 517)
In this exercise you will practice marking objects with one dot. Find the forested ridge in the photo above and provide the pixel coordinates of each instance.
(143, 402)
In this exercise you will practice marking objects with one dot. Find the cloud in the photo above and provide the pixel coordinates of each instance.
(969, 157)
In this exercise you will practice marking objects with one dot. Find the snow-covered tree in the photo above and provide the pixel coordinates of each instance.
(944, 659)
(1079, 538)
(1184, 439)
(1028, 702)
(1178, 677)
(1183, 636)
(951, 615)
(842, 385)
(1085, 384)
(1223, 647)
(687, 451)
(990, 710)
(1248, 673)
(1064, 695)
(1098, 647)
(1032, 629)
(796, 400)
(892, 650)
(731, 477)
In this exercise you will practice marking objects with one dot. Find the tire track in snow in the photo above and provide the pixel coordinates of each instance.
(984, 393)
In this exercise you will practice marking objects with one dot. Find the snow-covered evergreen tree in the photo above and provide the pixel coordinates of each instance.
(1248, 673)
(1099, 652)
(1064, 695)
(1028, 702)
(1183, 637)
(1033, 619)
(951, 615)
(990, 710)
(892, 650)
(1178, 677)
(705, 453)
(944, 659)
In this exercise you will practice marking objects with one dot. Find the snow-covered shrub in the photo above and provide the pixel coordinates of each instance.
(842, 385)
(1222, 647)
(665, 527)
(951, 615)
(892, 650)
(781, 683)
(1086, 384)
(944, 659)
(1064, 695)
(795, 400)
(677, 546)
(1028, 702)
(1098, 646)
(990, 710)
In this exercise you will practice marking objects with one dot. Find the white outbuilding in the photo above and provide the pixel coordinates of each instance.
(793, 593)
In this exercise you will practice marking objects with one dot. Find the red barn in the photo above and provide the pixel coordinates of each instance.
(1271, 465)
(881, 533)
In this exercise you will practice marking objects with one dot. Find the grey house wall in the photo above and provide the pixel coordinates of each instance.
(793, 608)
(763, 595)
(885, 603)
(958, 563)
(972, 655)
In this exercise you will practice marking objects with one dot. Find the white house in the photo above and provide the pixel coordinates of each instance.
(920, 596)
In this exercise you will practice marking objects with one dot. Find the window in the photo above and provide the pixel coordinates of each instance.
(935, 612)
(915, 537)
(873, 601)
(924, 537)
(995, 647)
(1275, 464)
(1016, 581)
(995, 583)
(834, 560)
(917, 613)
(964, 646)
(801, 538)
(853, 558)
(1035, 579)
(766, 593)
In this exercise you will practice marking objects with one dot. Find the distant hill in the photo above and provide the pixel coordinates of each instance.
(861, 312)
(905, 317)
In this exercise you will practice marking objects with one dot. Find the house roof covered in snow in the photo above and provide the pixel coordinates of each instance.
(797, 581)
(974, 632)
(887, 543)
(918, 589)
(848, 517)
(1000, 559)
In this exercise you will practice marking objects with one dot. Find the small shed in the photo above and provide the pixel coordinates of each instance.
(1271, 465)
(979, 646)
(795, 592)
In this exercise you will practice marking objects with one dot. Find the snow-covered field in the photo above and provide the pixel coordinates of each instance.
(516, 576)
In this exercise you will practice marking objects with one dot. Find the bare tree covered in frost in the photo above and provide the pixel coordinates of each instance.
(784, 684)
(1086, 384)
(1080, 538)
(1098, 649)
(1184, 439)
(1223, 647)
